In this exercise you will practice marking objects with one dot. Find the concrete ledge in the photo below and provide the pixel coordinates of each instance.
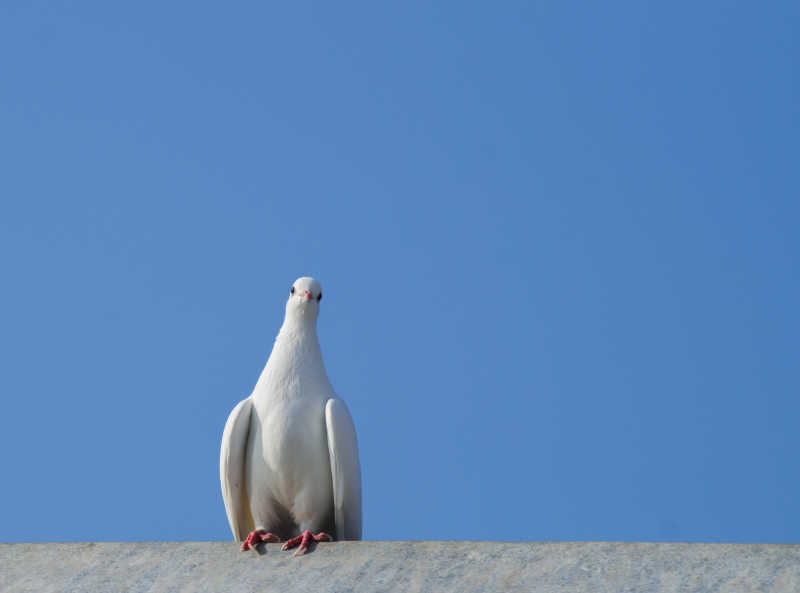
(401, 566)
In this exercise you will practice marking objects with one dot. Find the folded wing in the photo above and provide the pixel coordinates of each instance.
(232, 465)
(345, 470)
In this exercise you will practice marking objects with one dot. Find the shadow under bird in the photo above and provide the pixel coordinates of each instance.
(289, 464)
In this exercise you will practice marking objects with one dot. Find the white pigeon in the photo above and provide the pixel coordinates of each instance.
(289, 463)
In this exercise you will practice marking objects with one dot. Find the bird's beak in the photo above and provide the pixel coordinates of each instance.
(306, 295)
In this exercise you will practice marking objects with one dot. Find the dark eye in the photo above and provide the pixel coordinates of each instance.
(319, 297)
(292, 291)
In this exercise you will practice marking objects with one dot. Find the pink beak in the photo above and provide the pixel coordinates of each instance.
(307, 295)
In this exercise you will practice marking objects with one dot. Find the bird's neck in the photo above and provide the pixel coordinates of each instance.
(299, 336)
(296, 353)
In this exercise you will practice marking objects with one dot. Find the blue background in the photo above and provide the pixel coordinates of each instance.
(556, 242)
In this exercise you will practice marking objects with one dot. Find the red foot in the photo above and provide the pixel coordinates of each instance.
(256, 537)
(304, 539)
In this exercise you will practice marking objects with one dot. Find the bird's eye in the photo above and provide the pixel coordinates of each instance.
(319, 297)
(292, 291)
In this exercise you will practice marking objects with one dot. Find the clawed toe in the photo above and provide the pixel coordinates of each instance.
(304, 540)
(258, 536)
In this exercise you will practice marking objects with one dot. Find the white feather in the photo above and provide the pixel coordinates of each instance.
(231, 469)
(299, 458)
(345, 470)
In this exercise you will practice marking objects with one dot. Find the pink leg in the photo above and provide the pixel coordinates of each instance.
(304, 539)
(256, 537)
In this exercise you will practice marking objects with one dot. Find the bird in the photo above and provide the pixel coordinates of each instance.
(289, 465)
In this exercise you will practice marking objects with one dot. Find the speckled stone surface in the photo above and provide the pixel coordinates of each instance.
(401, 566)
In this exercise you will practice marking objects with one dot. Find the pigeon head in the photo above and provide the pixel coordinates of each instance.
(304, 297)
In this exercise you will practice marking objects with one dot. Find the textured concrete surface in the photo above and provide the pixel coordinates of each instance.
(401, 566)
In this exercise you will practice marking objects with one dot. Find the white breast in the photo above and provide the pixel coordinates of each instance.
(288, 469)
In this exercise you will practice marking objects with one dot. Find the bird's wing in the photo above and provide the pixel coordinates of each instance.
(232, 458)
(345, 470)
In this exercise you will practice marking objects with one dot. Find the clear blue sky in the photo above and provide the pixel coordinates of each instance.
(556, 240)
